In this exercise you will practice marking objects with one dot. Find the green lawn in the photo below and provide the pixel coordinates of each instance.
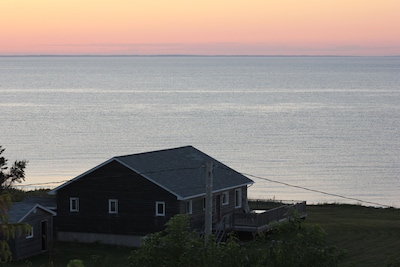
(371, 236)
(92, 255)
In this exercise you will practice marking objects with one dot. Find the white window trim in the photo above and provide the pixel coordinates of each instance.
(158, 213)
(225, 196)
(29, 233)
(189, 204)
(76, 200)
(238, 200)
(115, 201)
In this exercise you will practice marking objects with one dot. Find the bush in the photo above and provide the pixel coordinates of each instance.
(289, 244)
(75, 263)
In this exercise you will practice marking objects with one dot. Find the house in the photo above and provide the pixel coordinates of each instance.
(39, 238)
(127, 197)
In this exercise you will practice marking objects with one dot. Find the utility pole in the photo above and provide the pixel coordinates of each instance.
(209, 189)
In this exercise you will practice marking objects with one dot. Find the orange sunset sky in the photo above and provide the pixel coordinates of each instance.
(206, 27)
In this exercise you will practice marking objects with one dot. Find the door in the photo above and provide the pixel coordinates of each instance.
(218, 207)
(44, 234)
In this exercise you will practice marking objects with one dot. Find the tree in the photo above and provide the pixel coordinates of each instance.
(9, 230)
(179, 246)
(290, 244)
(9, 176)
(294, 244)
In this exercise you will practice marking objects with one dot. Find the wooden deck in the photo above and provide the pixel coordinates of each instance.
(259, 221)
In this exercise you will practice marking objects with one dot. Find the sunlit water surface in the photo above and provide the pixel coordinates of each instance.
(329, 124)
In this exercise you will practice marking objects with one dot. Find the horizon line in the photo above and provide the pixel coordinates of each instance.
(185, 55)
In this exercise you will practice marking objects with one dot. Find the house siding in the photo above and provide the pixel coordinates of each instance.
(197, 218)
(22, 248)
(136, 203)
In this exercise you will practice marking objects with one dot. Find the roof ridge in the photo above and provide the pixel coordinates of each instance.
(178, 170)
(154, 151)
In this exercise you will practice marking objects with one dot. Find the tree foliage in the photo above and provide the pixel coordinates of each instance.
(75, 263)
(294, 244)
(289, 244)
(9, 230)
(178, 246)
(9, 176)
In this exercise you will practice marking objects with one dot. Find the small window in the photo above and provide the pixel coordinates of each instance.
(225, 198)
(204, 203)
(160, 208)
(189, 207)
(74, 204)
(113, 206)
(238, 198)
(29, 232)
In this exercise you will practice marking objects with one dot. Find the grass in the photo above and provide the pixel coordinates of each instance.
(371, 237)
(92, 255)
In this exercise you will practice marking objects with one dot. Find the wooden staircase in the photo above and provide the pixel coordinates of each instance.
(220, 233)
(222, 228)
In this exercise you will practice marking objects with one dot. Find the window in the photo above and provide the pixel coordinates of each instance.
(29, 233)
(189, 207)
(113, 206)
(204, 203)
(225, 198)
(238, 198)
(74, 204)
(160, 208)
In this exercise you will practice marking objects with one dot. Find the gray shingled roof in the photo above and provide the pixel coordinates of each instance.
(47, 202)
(19, 210)
(181, 171)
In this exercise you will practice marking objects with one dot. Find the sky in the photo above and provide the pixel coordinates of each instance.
(206, 27)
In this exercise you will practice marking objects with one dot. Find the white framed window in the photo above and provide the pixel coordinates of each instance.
(225, 198)
(29, 232)
(74, 204)
(113, 206)
(160, 208)
(238, 198)
(189, 207)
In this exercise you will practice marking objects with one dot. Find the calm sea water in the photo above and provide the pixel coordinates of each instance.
(329, 124)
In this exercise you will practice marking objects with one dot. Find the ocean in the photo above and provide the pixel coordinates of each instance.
(320, 129)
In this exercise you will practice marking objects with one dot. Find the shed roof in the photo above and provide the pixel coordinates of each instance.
(20, 210)
(48, 202)
(181, 171)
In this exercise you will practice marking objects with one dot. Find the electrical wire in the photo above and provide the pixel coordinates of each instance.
(245, 174)
(36, 184)
(316, 191)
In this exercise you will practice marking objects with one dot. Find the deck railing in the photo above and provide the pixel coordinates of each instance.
(260, 221)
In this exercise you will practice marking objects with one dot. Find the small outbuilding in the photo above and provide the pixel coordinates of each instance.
(39, 238)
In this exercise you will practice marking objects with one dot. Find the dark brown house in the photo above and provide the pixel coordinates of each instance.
(127, 197)
(39, 238)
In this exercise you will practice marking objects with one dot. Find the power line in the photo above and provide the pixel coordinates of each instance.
(316, 191)
(35, 184)
(245, 174)
(140, 173)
